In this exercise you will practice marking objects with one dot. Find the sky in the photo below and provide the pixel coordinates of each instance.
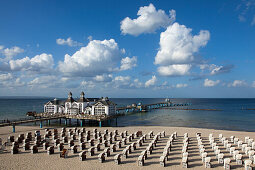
(134, 48)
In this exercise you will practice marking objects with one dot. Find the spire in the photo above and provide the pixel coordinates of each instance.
(70, 94)
(82, 95)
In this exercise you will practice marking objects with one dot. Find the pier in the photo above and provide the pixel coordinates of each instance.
(80, 118)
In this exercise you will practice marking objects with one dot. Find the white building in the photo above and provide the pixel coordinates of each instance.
(104, 106)
(82, 105)
(54, 106)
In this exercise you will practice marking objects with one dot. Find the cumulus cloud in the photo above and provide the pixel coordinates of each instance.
(6, 77)
(237, 83)
(103, 78)
(151, 82)
(128, 63)
(9, 53)
(68, 42)
(174, 70)
(148, 21)
(177, 49)
(211, 83)
(181, 85)
(136, 84)
(40, 63)
(178, 45)
(97, 58)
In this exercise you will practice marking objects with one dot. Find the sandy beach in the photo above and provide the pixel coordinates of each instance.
(41, 160)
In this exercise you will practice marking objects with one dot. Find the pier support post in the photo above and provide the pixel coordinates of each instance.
(77, 122)
(81, 121)
(66, 122)
(41, 124)
(49, 122)
(13, 128)
(100, 123)
(70, 121)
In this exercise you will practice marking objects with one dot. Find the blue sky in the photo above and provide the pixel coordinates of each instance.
(136, 48)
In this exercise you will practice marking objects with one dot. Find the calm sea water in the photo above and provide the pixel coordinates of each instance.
(231, 114)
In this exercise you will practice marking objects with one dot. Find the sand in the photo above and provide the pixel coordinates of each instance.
(26, 160)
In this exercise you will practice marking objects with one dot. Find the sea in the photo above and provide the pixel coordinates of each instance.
(225, 114)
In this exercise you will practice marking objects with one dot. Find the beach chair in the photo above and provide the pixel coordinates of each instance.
(117, 159)
(99, 139)
(10, 139)
(208, 162)
(82, 146)
(236, 141)
(247, 165)
(34, 149)
(240, 144)
(129, 149)
(227, 163)
(56, 142)
(50, 150)
(251, 154)
(122, 135)
(106, 131)
(232, 138)
(74, 149)
(65, 139)
(91, 142)
(144, 153)
(141, 160)
(116, 132)
(228, 146)
(125, 153)
(46, 145)
(124, 141)
(60, 146)
(149, 150)
(204, 155)
(162, 161)
(236, 152)
(184, 162)
(247, 149)
(105, 143)
(239, 160)
(221, 158)
(220, 136)
(14, 149)
(97, 146)
(87, 138)
(113, 148)
(82, 155)
(253, 145)
(133, 146)
(91, 151)
(95, 135)
(64, 153)
(217, 152)
(114, 138)
(101, 157)
(107, 152)
(231, 150)
(71, 143)
(165, 154)
(110, 140)
(118, 144)
(246, 139)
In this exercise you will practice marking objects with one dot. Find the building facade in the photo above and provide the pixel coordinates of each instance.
(104, 107)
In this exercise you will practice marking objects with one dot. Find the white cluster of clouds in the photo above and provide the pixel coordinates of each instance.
(128, 63)
(9, 53)
(211, 83)
(42, 63)
(148, 21)
(237, 83)
(177, 49)
(68, 42)
(151, 82)
(97, 58)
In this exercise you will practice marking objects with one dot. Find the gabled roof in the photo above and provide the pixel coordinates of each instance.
(105, 102)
